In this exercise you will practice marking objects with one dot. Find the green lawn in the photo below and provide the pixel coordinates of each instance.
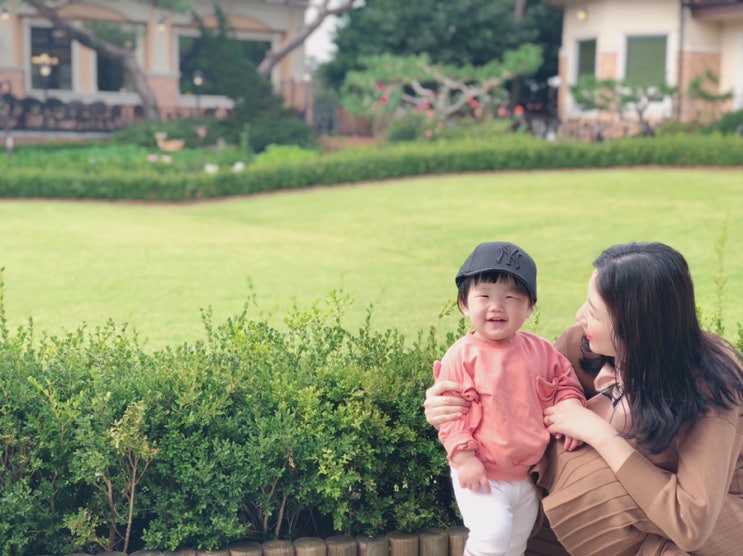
(395, 246)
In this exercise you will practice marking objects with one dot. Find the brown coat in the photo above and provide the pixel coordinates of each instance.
(691, 494)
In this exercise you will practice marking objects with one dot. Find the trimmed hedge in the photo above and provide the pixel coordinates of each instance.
(254, 433)
(395, 161)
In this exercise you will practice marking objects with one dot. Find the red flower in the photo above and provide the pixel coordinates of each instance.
(383, 100)
(518, 110)
(380, 86)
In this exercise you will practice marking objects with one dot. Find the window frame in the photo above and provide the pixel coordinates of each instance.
(578, 57)
(628, 58)
(34, 78)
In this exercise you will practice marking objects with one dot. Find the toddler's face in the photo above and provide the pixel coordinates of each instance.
(497, 310)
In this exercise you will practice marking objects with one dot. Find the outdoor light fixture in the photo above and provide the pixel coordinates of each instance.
(4, 14)
(582, 14)
(45, 63)
(161, 24)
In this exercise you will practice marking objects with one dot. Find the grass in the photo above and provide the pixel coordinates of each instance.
(393, 246)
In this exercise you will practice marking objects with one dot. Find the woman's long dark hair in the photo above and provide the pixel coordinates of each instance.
(673, 371)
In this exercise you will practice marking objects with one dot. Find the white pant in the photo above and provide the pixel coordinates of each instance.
(500, 521)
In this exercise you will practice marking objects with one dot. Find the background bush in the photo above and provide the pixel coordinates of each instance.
(183, 178)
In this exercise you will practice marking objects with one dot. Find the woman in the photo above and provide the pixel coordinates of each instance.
(672, 482)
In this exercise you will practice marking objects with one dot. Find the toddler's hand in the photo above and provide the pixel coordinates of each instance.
(471, 473)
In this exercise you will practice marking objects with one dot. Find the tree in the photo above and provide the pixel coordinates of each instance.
(88, 37)
(699, 90)
(400, 84)
(611, 95)
(466, 32)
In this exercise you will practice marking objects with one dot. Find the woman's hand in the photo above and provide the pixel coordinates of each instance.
(441, 409)
(570, 419)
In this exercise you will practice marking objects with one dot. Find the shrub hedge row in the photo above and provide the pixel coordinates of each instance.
(500, 153)
(252, 433)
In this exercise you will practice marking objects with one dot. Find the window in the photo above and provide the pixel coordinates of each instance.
(110, 72)
(111, 75)
(586, 57)
(646, 60)
(51, 49)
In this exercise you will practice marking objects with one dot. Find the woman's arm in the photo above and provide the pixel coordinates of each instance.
(684, 505)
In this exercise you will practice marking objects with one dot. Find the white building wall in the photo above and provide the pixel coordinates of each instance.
(731, 64)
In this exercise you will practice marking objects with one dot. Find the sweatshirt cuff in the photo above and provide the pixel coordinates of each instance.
(468, 446)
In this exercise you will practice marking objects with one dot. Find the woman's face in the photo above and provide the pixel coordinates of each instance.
(594, 317)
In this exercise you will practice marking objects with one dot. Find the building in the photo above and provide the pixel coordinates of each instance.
(675, 41)
(42, 64)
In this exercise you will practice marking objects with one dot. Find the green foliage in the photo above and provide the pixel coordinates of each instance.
(390, 85)
(229, 68)
(220, 57)
(142, 134)
(409, 127)
(255, 433)
(675, 127)
(468, 32)
(612, 95)
(728, 124)
(77, 174)
(98, 162)
(697, 88)
(275, 155)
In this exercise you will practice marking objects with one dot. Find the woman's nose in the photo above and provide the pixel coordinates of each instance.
(580, 312)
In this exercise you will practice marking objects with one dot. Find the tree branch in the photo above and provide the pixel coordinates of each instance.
(324, 10)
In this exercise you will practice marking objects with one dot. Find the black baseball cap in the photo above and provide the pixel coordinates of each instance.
(501, 256)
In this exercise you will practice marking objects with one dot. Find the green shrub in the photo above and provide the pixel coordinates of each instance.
(276, 155)
(728, 124)
(673, 127)
(183, 178)
(410, 127)
(254, 433)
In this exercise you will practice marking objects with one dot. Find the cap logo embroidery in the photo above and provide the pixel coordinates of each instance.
(512, 257)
